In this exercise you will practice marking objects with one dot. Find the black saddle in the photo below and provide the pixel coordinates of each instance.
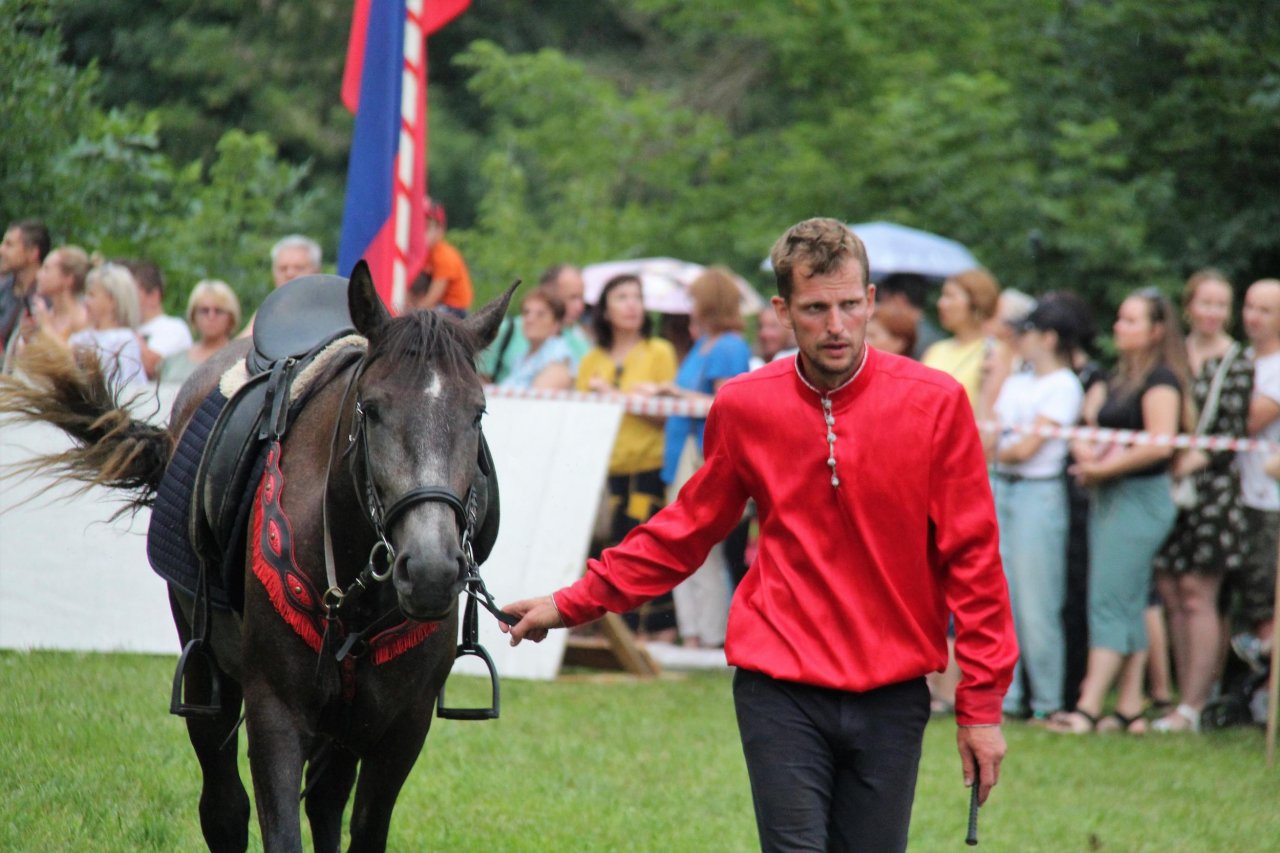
(295, 323)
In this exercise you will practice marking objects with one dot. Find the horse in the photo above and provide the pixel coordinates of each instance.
(402, 412)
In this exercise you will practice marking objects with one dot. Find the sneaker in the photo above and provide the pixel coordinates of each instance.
(1252, 650)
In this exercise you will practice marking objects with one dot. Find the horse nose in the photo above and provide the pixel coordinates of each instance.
(428, 587)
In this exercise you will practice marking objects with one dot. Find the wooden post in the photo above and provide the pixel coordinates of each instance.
(616, 648)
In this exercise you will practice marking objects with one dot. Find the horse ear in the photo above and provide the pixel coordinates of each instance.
(485, 322)
(367, 311)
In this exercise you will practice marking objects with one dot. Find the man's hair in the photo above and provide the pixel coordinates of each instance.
(75, 263)
(716, 297)
(817, 247)
(551, 275)
(120, 284)
(914, 288)
(297, 241)
(34, 233)
(147, 274)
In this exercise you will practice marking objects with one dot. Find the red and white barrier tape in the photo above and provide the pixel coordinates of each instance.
(632, 404)
(636, 404)
(1142, 439)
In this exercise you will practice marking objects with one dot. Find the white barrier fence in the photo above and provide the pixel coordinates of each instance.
(71, 579)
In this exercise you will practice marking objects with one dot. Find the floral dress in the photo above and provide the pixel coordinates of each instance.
(1209, 537)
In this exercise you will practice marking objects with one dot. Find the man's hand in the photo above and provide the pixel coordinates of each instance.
(537, 615)
(984, 746)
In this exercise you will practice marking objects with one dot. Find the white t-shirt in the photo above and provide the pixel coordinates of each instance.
(166, 335)
(1023, 399)
(117, 349)
(1257, 490)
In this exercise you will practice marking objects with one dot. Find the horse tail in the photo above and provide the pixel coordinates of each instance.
(73, 392)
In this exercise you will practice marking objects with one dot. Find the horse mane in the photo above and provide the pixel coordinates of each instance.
(422, 340)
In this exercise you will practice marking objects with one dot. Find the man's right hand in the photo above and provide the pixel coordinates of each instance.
(537, 616)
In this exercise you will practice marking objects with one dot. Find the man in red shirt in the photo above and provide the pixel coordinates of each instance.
(876, 525)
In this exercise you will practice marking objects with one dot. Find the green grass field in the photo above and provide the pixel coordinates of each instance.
(90, 760)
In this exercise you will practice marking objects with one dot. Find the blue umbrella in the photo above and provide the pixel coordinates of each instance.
(898, 249)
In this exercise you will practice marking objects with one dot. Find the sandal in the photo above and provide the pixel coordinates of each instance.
(1117, 722)
(1075, 722)
(1183, 718)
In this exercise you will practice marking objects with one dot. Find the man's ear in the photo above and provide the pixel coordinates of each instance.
(783, 310)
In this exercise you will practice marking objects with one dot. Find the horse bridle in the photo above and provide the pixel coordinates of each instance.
(382, 555)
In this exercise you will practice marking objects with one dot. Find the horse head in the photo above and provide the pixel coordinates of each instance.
(419, 403)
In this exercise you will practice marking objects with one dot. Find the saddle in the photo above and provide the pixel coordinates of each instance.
(295, 323)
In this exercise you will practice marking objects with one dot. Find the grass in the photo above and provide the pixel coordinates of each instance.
(90, 760)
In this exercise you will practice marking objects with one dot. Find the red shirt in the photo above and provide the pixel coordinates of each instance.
(852, 585)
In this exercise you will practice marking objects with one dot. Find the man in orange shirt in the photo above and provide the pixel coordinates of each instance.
(444, 283)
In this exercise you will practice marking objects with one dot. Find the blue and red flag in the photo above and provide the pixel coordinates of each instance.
(385, 85)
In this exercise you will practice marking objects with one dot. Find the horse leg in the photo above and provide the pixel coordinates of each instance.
(382, 773)
(224, 805)
(276, 755)
(330, 780)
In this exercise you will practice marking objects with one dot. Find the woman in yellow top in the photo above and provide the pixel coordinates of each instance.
(627, 359)
(968, 300)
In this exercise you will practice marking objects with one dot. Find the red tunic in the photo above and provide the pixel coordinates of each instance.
(852, 584)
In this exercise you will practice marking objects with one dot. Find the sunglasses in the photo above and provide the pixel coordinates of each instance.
(210, 310)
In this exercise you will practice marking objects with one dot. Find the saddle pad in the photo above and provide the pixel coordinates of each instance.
(168, 544)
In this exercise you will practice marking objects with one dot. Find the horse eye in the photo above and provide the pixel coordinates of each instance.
(479, 417)
(371, 412)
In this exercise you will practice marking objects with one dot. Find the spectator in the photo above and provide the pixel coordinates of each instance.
(968, 300)
(60, 309)
(293, 257)
(845, 607)
(547, 364)
(22, 252)
(1002, 359)
(719, 353)
(213, 310)
(444, 283)
(162, 335)
(1207, 537)
(909, 292)
(510, 345)
(1131, 511)
(1259, 493)
(773, 340)
(1031, 500)
(111, 298)
(629, 359)
(892, 329)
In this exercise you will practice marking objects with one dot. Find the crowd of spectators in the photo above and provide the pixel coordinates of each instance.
(1105, 546)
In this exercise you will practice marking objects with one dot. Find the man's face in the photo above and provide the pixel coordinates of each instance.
(828, 314)
(1262, 313)
(15, 254)
(291, 262)
(569, 286)
(51, 278)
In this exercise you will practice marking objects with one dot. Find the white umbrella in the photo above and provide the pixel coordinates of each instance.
(898, 249)
(664, 284)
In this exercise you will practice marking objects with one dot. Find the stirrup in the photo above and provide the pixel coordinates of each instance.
(470, 647)
(180, 708)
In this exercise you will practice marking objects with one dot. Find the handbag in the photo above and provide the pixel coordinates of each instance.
(1185, 494)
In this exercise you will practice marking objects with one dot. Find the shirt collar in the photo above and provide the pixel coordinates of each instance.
(866, 356)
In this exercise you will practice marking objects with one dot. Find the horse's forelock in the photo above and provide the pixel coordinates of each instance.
(423, 340)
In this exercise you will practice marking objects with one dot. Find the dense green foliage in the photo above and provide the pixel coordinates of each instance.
(92, 761)
(1095, 146)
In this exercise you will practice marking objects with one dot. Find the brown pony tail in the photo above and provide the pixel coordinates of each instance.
(71, 392)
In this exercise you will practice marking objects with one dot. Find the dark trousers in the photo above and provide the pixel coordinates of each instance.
(831, 770)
